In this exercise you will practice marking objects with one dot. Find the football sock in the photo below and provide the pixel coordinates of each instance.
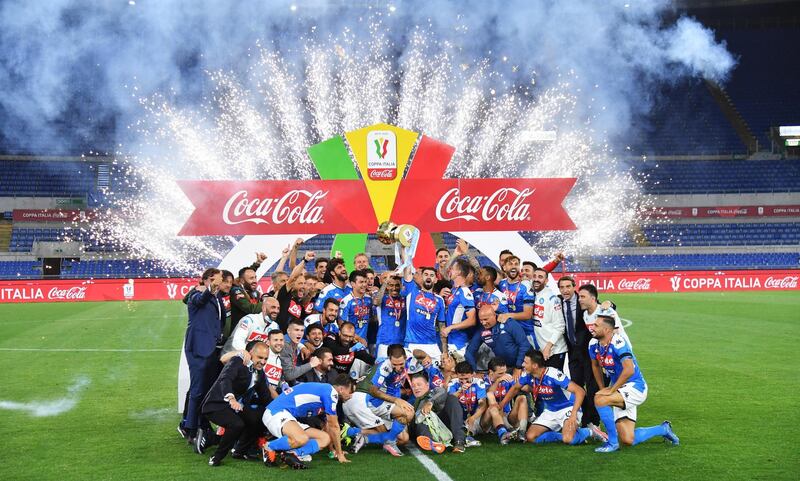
(501, 430)
(353, 431)
(311, 447)
(641, 435)
(280, 444)
(549, 437)
(581, 435)
(389, 435)
(607, 416)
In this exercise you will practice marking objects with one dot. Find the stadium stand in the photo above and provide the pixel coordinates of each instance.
(716, 176)
(686, 120)
(693, 141)
(764, 85)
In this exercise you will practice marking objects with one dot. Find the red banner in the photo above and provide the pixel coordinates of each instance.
(607, 282)
(52, 215)
(689, 281)
(80, 290)
(725, 211)
(278, 207)
(344, 206)
(453, 205)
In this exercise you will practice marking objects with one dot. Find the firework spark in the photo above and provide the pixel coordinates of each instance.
(258, 125)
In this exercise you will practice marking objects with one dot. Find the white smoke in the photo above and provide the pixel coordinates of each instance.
(53, 407)
(69, 67)
(210, 90)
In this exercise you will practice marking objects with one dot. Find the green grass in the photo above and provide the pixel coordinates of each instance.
(720, 366)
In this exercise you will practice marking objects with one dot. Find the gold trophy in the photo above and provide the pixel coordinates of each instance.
(403, 235)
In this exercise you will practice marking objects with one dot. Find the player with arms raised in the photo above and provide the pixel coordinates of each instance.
(424, 310)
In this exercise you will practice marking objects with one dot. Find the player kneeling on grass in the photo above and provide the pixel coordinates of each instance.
(373, 424)
(616, 404)
(296, 442)
(561, 402)
(514, 411)
(383, 387)
(481, 417)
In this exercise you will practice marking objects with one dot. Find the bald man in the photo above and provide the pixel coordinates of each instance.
(237, 399)
(253, 327)
(506, 340)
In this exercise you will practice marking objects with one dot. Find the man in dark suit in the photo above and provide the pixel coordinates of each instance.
(324, 372)
(578, 337)
(237, 399)
(206, 314)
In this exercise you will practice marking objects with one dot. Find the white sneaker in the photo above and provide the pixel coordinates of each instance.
(359, 442)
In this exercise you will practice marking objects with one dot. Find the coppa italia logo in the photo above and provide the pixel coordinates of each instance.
(354, 201)
(381, 155)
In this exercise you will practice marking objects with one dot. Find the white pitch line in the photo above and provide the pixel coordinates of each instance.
(118, 318)
(57, 349)
(432, 468)
(623, 321)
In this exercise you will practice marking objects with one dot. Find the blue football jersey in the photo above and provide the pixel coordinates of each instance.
(306, 399)
(331, 290)
(391, 314)
(495, 297)
(551, 389)
(388, 380)
(423, 310)
(516, 294)
(357, 310)
(610, 359)
(469, 397)
(460, 303)
(502, 389)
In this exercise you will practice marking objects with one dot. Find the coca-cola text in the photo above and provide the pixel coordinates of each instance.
(294, 207)
(505, 204)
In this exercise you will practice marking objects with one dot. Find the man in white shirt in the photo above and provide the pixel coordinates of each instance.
(587, 296)
(548, 322)
(254, 327)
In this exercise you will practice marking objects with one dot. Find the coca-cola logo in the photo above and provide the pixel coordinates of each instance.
(505, 204)
(641, 284)
(294, 207)
(73, 293)
(788, 282)
(382, 174)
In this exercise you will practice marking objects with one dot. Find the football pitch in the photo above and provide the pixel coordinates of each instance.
(88, 392)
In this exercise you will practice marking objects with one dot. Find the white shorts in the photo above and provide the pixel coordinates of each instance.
(366, 416)
(275, 422)
(633, 398)
(432, 350)
(476, 427)
(554, 420)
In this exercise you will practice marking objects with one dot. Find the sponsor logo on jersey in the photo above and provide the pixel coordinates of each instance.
(426, 302)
